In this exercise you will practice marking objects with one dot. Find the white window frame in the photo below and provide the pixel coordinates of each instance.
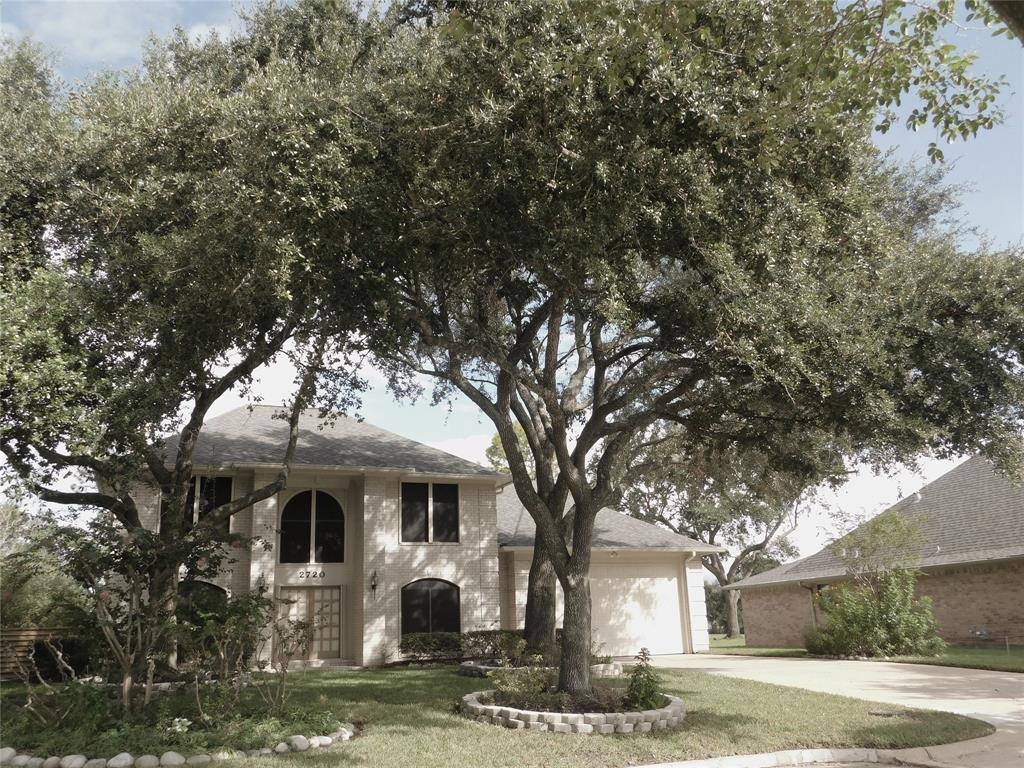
(430, 512)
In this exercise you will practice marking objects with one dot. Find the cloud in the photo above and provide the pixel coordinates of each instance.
(9, 30)
(90, 35)
(203, 31)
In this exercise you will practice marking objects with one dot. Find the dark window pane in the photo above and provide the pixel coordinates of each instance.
(186, 515)
(444, 607)
(414, 511)
(430, 605)
(213, 492)
(296, 524)
(330, 530)
(415, 608)
(446, 512)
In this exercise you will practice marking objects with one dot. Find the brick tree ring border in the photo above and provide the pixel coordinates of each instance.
(483, 669)
(291, 745)
(669, 716)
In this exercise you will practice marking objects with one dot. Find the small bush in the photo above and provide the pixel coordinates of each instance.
(432, 645)
(505, 645)
(817, 642)
(528, 688)
(877, 618)
(643, 689)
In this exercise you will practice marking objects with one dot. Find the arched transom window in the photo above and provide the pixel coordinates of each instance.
(312, 523)
(430, 605)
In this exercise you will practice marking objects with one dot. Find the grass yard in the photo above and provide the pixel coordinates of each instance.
(737, 646)
(410, 722)
(997, 659)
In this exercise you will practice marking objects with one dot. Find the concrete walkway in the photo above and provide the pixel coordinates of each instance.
(997, 697)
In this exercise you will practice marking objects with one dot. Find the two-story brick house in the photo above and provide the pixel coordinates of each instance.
(377, 535)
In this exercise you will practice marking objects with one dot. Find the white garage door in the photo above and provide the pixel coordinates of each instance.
(636, 605)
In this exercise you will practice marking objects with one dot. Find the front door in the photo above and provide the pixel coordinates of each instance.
(320, 607)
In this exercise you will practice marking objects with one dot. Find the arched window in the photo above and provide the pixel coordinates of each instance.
(329, 544)
(430, 605)
(198, 599)
(312, 523)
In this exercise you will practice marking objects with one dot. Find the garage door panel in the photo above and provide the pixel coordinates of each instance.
(634, 606)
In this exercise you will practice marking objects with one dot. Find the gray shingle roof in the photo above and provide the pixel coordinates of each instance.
(256, 436)
(971, 514)
(612, 529)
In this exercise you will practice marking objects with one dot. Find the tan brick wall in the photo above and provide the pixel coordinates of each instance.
(471, 564)
(777, 617)
(965, 599)
(977, 598)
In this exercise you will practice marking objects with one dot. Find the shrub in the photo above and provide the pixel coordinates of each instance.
(643, 689)
(528, 688)
(877, 618)
(432, 645)
(505, 645)
(817, 642)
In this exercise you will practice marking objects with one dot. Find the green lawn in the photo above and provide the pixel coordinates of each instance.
(409, 721)
(955, 656)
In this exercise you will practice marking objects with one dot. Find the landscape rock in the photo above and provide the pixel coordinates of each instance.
(281, 748)
(20, 760)
(266, 751)
(96, 762)
(298, 743)
(51, 762)
(147, 761)
(326, 741)
(198, 760)
(223, 754)
(35, 762)
(123, 760)
(73, 761)
(172, 758)
(7, 754)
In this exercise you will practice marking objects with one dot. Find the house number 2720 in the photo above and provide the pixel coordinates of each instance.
(311, 574)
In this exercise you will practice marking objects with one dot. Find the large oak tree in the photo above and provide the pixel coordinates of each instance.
(614, 216)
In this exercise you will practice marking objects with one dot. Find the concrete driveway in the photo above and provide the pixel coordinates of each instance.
(997, 697)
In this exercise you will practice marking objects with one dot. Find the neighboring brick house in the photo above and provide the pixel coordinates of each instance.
(378, 535)
(971, 522)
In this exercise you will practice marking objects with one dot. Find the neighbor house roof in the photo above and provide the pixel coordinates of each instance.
(971, 514)
(258, 436)
(612, 530)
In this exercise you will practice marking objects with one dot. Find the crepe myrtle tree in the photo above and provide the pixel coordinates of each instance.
(722, 497)
(156, 232)
(613, 216)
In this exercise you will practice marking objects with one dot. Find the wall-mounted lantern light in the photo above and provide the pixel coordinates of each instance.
(373, 583)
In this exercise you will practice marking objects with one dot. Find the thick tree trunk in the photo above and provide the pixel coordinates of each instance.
(574, 672)
(540, 603)
(733, 599)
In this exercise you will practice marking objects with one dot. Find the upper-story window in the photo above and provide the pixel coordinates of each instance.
(213, 492)
(430, 512)
(312, 524)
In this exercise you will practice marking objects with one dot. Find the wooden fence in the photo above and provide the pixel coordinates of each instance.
(16, 644)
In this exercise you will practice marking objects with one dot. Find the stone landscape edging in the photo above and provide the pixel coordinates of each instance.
(297, 743)
(481, 669)
(587, 723)
(792, 757)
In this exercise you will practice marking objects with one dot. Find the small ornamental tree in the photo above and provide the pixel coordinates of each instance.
(876, 613)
